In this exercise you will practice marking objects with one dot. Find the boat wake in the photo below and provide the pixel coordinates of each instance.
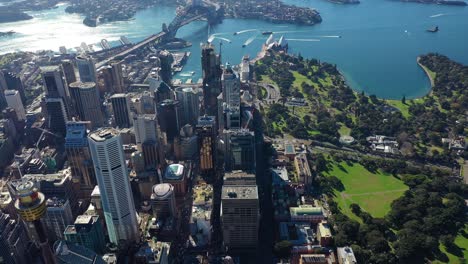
(329, 36)
(247, 42)
(225, 39)
(304, 40)
(438, 15)
(245, 31)
(211, 38)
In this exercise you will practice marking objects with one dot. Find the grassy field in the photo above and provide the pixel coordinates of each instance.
(462, 243)
(374, 192)
(402, 107)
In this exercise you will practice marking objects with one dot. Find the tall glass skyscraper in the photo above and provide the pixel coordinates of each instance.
(114, 185)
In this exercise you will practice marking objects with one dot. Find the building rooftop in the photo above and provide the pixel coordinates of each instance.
(306, 210)
(72, 253)
(346, 255)
(50, 68)
(174, 172)
(82, 85)
(239, 192)
(324, 230)
(162, 191)
(103, 134)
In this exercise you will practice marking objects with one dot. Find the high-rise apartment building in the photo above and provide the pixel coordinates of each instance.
(114, 185)
(240, 216)
(85, 99)
(86, 69)
(13, 100)
(121, 110)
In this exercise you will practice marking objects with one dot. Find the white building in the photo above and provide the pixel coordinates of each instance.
(114, 185)
(145, 128)
(13, 100)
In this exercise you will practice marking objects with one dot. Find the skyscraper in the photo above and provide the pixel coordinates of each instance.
(13, 100)
(166, 60)
(189, 105)
(14, 82)
(3, 87)
(88, 232)
(206, 132)
(86, 69)
(168, 114)
(58, 216)
(31, 206)
(211, 66)
(69, 71)
(79, 157)
(85, 98)
(114, 185)
(117, 77)
(121, 110)
(239, 152)
(14, 240)
(163, 200)
(231, 98)
(240, 216)
(54, 82)
(145, 128)
(57, 116)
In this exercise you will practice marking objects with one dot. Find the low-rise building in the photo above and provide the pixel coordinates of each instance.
(297, 233)
(324, 234)
(306, 213)
(346, 255)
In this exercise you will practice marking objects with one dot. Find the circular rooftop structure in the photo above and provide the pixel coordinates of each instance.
(346, 140)
(174, 172)
(162, 191)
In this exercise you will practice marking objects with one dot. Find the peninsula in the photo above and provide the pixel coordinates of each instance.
(272, 11)
(344, 1)
(439, 2)
(11, 15)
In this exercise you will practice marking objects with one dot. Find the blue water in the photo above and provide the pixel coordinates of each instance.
(380, 39)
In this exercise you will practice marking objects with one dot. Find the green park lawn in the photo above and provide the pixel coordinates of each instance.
(373, 192)
(404, 108)
(461, 241)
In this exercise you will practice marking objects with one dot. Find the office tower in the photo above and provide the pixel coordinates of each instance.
(161, 90)
(79, 157)
(118, 85)
(3, 87)
(14, 240)
(206, 132)
(58, 216)
(211, 67)
(114, 185)
(168, 114)
(245, 69)
(121, 110)
(239, 178)
(57, 116)
(239, 152)
(231, 98)
(13, 100)
(85, 98)
(87, 231)
(186, 146)
(189, 105)
(177, 176)
(31, 206)
(14, 82)
(86, 69)
(54, 82)
(69, 253)
(240, 216)
(68, 69)
(166, 60)
(163, 200)
(145, 128)
(144, 103)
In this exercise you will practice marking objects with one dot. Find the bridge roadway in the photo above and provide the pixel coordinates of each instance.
(145, 42)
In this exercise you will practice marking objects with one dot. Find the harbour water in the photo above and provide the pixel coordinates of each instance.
(377, 47)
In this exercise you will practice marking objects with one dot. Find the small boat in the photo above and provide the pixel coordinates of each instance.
(267, 32)
(235, 33)
(433, 30)
(243, 45)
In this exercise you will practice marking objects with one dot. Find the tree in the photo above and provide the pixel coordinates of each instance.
(403, 100)
(355, 208)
